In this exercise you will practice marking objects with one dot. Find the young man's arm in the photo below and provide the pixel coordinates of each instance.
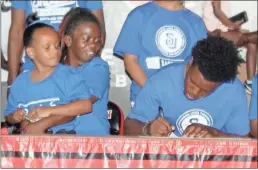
(15, 44)
(144, 117)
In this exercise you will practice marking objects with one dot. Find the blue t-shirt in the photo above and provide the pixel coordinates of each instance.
(253, 103)
(159, 37)
(64, 85)
(96, 76)
(225, 109)
(51, 12)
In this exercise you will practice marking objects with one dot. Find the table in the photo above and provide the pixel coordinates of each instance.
(125, 152)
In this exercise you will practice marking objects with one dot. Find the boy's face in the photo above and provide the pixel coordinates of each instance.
(45, 49)
(85, 41)
(196, 86)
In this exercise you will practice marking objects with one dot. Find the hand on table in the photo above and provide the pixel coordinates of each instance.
(200, 131)
(160, 127)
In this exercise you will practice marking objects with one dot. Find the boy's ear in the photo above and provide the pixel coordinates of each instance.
(31, 52)
(67, 40)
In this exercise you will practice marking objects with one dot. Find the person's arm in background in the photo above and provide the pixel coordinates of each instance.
(96, 8)
(15, 45)
(128, 46)
(216, 4)
(134, 69)
(4, 64)
(252, 37)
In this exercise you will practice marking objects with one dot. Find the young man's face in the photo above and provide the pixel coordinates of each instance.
(45, 48)
(86, 41)
(196, 86)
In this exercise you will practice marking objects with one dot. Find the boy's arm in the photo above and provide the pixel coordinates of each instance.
(74, 108)
(42, 125)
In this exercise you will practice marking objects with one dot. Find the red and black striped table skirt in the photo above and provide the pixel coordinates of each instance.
(123, 152)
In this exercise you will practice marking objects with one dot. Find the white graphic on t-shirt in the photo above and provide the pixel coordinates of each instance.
(170, 41)
(52, 11)
(43, 102)
(193, 116)
(158, 62)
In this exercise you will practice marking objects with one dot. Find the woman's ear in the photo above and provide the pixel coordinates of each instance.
(67, 41)
(31, 52)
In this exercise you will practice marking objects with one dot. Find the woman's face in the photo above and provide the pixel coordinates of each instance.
(85, 41)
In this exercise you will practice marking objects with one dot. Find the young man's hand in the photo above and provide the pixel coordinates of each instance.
(200, 131)
(160, 127)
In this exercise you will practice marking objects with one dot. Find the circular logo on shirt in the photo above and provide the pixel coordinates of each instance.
(193, 116)
(171, 41)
